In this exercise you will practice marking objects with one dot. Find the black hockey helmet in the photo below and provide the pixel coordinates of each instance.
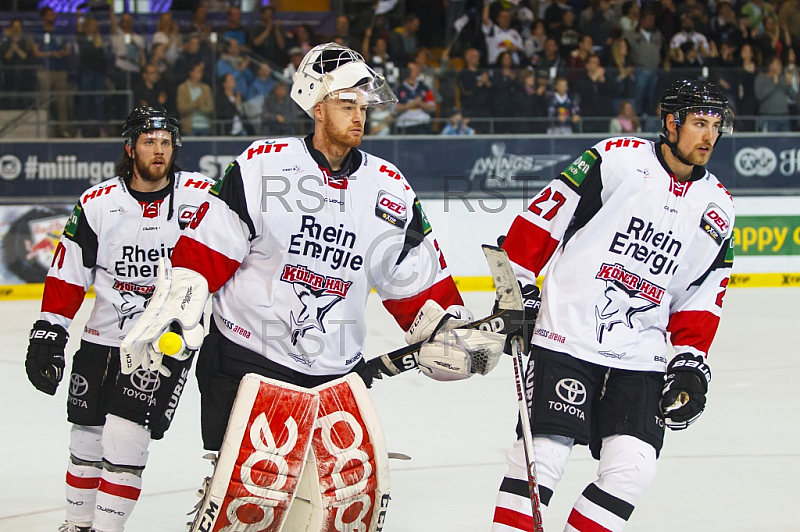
(146, 118)
(691, 96)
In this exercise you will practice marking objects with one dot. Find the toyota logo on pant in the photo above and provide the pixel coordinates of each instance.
(78, 385)
(571, 391)
(145, 381)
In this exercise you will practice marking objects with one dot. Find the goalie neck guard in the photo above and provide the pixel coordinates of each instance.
(329, 68)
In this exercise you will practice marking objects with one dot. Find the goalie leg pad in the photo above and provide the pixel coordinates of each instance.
(345, 486)
(261, 459)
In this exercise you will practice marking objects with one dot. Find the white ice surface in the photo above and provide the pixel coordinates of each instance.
(737, 469)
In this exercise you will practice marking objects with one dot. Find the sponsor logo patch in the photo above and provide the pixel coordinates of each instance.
(715, 222)
(391, 209)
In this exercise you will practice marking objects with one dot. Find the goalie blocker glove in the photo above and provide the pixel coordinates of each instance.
(685, 386)
(44, 362)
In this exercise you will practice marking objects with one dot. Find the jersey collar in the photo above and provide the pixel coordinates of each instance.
(350, 164)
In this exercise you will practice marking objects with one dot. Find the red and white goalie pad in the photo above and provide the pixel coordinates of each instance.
(345, 487)
(262, 458)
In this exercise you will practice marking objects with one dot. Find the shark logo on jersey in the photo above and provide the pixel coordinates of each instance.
(626, 294)
(134, 300)
(317, 293)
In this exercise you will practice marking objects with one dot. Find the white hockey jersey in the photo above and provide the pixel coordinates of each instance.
(113, 241)
(636, 255)
(292, 252)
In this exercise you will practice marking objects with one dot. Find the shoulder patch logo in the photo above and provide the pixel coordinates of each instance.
(72, 222)
(715, 222)
(217, 186)
(576, 172)
(390, 208)
(426, 225)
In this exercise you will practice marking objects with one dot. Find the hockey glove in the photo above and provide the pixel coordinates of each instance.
(44, 362)
(531, 300)
(685, 386)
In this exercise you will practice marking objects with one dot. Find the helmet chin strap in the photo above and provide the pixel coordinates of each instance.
(673, 147)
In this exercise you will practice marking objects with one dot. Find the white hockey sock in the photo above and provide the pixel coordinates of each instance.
(125, 444)
(83, 473)
(513, 508)
(627, 467)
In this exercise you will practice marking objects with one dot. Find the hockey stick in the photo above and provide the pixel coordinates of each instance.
(504, 274)
(507, 319)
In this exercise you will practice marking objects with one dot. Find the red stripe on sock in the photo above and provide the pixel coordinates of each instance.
(82, 483)
(126, 492)
(580, 522)
(504, 516)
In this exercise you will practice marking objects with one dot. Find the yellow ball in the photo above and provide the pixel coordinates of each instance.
(170, 343)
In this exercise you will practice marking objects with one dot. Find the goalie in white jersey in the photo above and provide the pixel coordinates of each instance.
(290, 242)
(117, 232)
(639, 239)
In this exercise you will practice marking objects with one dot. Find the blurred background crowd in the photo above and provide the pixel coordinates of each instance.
(458, 67)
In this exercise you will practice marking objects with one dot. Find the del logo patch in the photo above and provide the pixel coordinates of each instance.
(391, 209)
(715, 222)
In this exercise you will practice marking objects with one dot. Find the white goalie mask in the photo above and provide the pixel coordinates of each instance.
(331, 67)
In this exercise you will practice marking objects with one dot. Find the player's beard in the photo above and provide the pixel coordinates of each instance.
(699, 158)
(342, 136)
(142, 169)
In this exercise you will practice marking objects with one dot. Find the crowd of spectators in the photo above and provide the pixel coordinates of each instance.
(458, 67)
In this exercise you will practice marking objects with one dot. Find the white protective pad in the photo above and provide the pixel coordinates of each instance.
(262, 457)
(460, 353)
(428, 319)
(345, 486)
(180, 296)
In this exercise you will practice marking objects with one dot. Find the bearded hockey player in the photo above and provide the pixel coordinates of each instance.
(639, 238)
(290, 242)
(113, 240)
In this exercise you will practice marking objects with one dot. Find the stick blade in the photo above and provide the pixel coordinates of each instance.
(508, 294)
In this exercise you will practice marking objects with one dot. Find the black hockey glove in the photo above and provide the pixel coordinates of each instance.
(685, 385)
(531, 301)
(44, 362)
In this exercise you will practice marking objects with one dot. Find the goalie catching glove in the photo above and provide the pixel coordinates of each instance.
(179, 298)
(685, 386)
(451, 353)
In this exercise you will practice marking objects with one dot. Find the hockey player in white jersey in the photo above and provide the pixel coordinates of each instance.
(113, 240)
(290, 242)
(639, 237)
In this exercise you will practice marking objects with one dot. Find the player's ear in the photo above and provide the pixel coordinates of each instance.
(129, 150)
(318, 112)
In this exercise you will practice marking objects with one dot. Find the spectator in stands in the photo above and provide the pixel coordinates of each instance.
(93, 68)
(688, 34)
(233, 28)
(195, 103)
(562, 109)
(501, 37)
(629, 20)
(128, 48)
(534, 43)
(554, 15)
(596, 90)
(626, 122)
(532, 104)
(667, 17)
(598, 20)
(757, 11)
(567, 35)
(168, 37)
(789, 14)
(150, 91)
(303, 38)
(457, 125)
(296, 55)
(234, 62)
(403, 42)
(415, 104)
(261, 87)
(474, 88)
(724, 73)
(725, 27)
(577, 58)
(17, 58)
(280, 116)
(231, 119)
(377, 57)
(341, 31)
(267, 40)
(645, 46)
(549, 63)
(774, 38)
(622, 68)
(193, 52)
(774, 90)
(505, 93)
(51, 47)
(199, 25)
